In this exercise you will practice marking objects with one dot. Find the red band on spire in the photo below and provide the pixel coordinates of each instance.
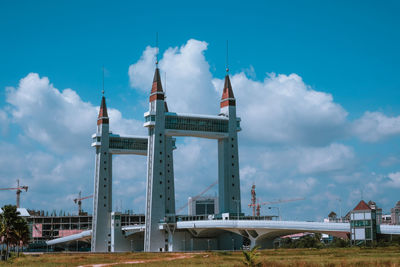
(103, 114)
(157, 92)
(228, 99)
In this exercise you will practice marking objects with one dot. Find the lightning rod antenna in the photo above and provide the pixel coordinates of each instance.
(157, 49)
(103, 82)
(165, 83)
(227, 63)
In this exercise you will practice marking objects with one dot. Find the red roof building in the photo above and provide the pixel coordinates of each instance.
(362, 206)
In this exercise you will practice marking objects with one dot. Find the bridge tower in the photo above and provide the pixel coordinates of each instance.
(228, 156)
(102, 201)
(160, 194)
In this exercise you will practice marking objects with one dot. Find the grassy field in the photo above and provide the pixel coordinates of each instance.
(281, 257)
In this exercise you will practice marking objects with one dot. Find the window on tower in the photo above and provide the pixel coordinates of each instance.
(150, 118)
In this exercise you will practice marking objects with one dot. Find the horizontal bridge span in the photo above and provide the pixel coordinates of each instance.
(128, 145)
(272, 225)
(200, 134)
(389, 229)
(213, 127)
(280, 226)
(84, 235)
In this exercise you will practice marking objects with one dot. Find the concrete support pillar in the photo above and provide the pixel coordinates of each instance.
(228, 167)
(170, 241)
(102, 198)
(160, 198)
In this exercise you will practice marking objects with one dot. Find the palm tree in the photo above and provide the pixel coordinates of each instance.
(21, 233)
(8, 221)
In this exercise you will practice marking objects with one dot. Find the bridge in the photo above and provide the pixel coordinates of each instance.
(163, 230)
(259, 232)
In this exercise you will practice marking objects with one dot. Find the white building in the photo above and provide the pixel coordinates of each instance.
(395, 213)
(206, 205)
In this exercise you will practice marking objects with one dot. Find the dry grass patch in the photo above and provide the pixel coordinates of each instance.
(338, 257)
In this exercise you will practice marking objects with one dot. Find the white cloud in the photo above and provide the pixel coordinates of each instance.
(141, 73)
(308, 160)
(63, 124)
(189, 87)
(283, 109)
(301, 187)
(129, 168)
(375, 126)
(348, 177)
(279, 109)
(195, 165)
(330, 158)
(394, 180)
(389, 161)
(3, 122)
(48, 176)
(122, 126)
(59, 120)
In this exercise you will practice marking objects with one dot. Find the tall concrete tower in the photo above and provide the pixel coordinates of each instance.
(160, 199)
(228, 156)
(102, 201)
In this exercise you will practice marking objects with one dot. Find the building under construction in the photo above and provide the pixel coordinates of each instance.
(44, 226)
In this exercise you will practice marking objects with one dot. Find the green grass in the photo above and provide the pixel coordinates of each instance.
(389, 256)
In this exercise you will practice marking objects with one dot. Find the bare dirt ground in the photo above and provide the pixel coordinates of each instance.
(175, 257)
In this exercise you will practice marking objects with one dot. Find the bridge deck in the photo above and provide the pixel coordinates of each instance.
(242, 225)
(204, 126)
(250, 224)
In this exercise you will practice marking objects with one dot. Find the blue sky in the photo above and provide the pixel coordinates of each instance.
(333, 144)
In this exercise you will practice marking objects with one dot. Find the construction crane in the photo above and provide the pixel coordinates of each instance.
(256, 205)
(279, 201)
(19, 190)
(197, 196)
(254, 200)
(79, 201)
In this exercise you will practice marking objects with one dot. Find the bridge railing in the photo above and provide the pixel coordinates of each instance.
(183, 218)
(175, 122)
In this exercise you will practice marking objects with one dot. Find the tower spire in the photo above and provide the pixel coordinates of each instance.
(103, 114)
(228, 99)
(157, 92)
